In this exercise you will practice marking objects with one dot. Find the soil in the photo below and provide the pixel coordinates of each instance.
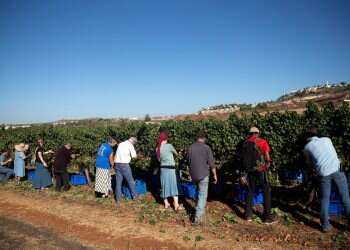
(46, 220)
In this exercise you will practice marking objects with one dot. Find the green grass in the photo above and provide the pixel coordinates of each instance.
(287, 217)
(199, 238)
(186, 238)
(229, 218)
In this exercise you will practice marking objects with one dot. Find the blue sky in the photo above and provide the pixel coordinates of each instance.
(75, 59)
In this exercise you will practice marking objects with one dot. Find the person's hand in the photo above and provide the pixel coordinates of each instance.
(243, 180)
(215, 179)
(10, 159)
(50, 152)
(45, 165)
(74, 156)
(155, 171)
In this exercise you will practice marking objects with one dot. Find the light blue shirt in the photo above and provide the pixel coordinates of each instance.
(322, 154)
(167, 152)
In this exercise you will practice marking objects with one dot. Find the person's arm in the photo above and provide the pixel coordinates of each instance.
(173, 150)
(49, 152)
(74, 156)
(307, 159)
(40, 154)
(133, 152)
(111, 159)
(23, 155)
(71, 155)
(211, 163)
(268, 160)
(213, 171)
(3, 163)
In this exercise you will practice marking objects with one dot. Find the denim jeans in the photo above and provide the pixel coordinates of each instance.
(202, 199)
(7, 172)
(253, 179)
(340, 181)
(124, 171)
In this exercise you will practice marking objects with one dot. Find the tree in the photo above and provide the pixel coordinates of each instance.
(148, 118)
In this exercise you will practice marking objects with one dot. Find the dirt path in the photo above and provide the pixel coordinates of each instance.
(40, 220)
(19, 235)
(98, 228)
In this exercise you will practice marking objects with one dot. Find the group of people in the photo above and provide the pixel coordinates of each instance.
(254, 155)
(200, 158)
(19, 162)
(42, 178)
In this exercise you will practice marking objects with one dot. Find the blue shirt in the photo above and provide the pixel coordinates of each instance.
(102, 159)
(323, 156)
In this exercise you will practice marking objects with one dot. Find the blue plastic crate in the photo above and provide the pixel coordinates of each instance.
(242, 191)
(77, 180)
(140, 187)
(297, 176)
(189, 190)
(30, 175)
(335, 196)
(217, 189)
(336, 208)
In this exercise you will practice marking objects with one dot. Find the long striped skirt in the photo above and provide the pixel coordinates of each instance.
(103, 181)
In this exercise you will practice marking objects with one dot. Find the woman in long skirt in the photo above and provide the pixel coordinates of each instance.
(19, 163)
(42, 178)
(104, 162)
(170, 185)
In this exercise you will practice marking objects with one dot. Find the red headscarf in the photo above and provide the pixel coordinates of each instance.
(163, 136)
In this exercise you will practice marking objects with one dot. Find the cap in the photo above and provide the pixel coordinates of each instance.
(254, 130)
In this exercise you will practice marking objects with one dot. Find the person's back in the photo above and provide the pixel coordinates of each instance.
(167, 155)
(322, 155)
(62, 159)
(104, 152)
(200, 159)
(125, 152)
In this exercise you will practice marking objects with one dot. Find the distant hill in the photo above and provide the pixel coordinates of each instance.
(295, 100)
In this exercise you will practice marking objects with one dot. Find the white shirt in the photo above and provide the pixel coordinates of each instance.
(125, 152)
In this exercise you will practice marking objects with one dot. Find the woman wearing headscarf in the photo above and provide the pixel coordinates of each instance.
(170, 186)
(19, 164)
(42, 178)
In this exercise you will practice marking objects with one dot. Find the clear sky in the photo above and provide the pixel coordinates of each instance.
(74, 59)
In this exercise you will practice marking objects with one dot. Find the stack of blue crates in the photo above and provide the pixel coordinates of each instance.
(30, 175)
(140, 187)
(78, 180)
(189, 190)
(296, 176)
(336, 207)
(241, 193)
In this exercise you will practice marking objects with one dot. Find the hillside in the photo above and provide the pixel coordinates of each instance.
(293, 101)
